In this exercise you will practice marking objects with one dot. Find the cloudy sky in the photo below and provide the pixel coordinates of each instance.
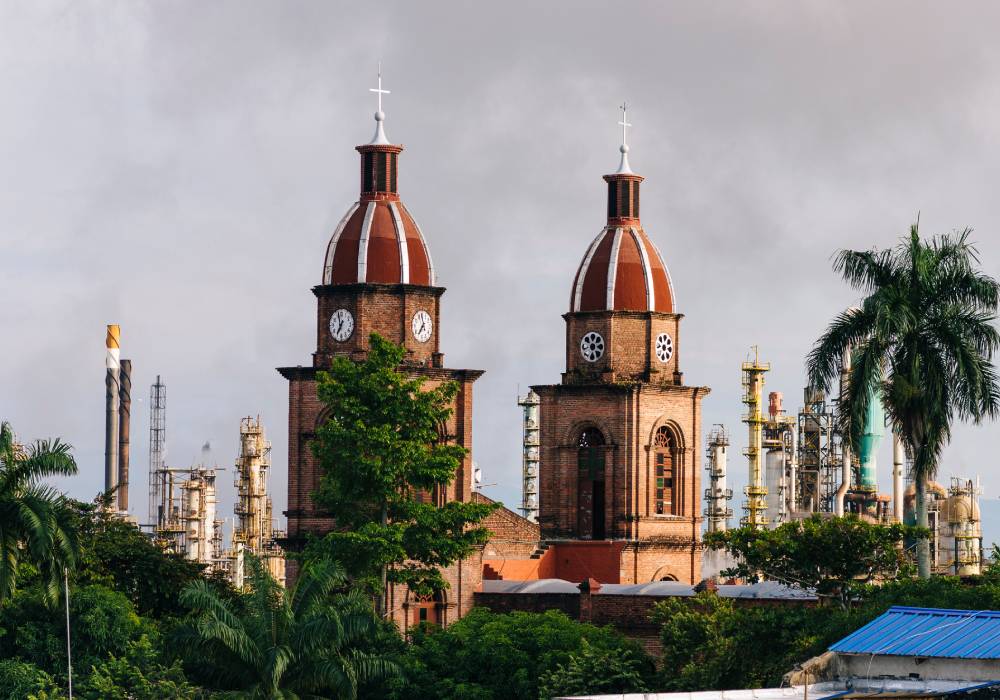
(177, 167)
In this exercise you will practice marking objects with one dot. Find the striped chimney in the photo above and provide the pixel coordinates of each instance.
(112, 396)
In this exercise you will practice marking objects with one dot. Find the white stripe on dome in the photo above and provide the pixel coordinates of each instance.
(366, 230)
(647, 271)
(331, 247)
(666, 271)
(404, 252)
(427, 252)
(584, 266)
(613, 269)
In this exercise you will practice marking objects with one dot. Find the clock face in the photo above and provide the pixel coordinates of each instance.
(664, 347)
(592, 346)
(422, 326)
(341, 325)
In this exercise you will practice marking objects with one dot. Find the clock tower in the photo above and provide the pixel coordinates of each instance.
(620, 436)
(378, 277)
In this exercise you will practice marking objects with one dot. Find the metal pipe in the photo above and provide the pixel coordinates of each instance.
(898, 458)
(845, 470)
(793, 468)
(124, 419)
(112, 388)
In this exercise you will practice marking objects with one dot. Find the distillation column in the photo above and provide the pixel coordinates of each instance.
(529, 466)
(898, 458)
(254, 530)
(717, 495)
(755, 506)
(845, 468)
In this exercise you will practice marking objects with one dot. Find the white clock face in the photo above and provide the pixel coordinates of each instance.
(664, 347)
(341, 325)
(592, 346)
(422, 326)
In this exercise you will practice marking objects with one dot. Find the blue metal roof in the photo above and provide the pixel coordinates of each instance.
(927, 632)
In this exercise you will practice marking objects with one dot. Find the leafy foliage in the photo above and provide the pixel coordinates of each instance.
(832, 556)
(103, 622)
(19, 679)
(114, 553)
(705, 641)
(490, 656)
(33, 516)
(139, 674)
(305, 642)
(381, 449)
(591, 671)
(923, 339)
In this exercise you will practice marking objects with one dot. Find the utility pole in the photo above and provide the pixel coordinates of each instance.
(69, 651)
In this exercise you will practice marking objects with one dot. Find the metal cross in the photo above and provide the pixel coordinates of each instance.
(379, 89)
(624, 123)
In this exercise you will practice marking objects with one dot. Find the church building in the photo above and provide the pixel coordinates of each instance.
(619, 498)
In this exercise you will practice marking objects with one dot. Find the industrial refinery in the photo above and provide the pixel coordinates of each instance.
(798, 465)
(183, 513)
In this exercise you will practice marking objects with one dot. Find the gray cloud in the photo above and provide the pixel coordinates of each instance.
(177, 168)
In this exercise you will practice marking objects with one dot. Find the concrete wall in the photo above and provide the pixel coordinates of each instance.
(866, 666)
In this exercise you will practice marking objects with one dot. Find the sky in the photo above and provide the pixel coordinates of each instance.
(178, 168)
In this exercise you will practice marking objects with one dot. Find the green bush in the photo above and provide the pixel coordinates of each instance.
(19, 679)
(490, 656)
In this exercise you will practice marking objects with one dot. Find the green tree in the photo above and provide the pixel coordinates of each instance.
(305, 642)
(832, 556)
(923, 339)
(103, 623)
(19, 679)
(116, 554)
(591, 671)
(33, 516)
(705, 641)
(140, 673)
(380, 449)
(491, 656)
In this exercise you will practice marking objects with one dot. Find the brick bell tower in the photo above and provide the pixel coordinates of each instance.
(620, 436)
(377, 277)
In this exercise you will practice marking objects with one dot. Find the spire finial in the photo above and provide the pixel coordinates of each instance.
(623, 166)
(379, 137)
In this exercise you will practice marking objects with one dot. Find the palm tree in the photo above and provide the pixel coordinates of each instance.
(301, 643)
(35, 519)
(923, 339)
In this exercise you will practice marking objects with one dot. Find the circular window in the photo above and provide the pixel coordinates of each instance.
(592, 346)
(664, 347)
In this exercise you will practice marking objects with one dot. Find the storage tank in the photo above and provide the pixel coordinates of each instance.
(774, 480)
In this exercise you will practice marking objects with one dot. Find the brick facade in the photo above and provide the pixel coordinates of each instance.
(648, 424)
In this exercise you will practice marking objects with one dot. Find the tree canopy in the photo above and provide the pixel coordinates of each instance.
(832, 556)
(923, 339)
(384, 452)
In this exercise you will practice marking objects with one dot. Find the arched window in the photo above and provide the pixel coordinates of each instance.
(665, 465)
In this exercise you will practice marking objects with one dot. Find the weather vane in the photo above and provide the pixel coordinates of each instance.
(379, 91)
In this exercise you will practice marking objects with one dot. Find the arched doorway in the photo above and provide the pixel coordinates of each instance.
(590, 484)
(427, 608)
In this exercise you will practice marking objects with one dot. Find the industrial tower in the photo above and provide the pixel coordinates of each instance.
(529, 464)
(755, 506)
(157, 445)
(254, 531)
(717, 495)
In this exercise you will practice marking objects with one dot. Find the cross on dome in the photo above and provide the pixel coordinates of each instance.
(623, 166)
(379, 138)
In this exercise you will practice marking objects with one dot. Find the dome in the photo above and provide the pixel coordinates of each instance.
(622, 270)
(378, 241)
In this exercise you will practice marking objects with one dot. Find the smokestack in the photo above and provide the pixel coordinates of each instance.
(124, 417)
(112, 394)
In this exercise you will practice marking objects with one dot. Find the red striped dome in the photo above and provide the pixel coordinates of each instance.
(378, 241)
(622, 270)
